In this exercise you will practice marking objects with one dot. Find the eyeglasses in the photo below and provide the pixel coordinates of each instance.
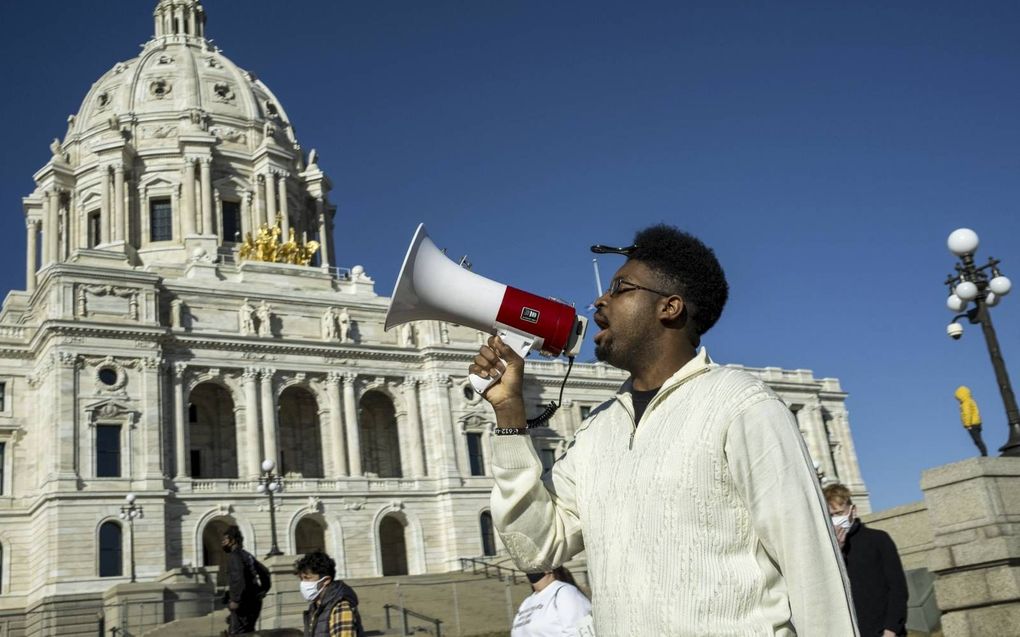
(615, 289)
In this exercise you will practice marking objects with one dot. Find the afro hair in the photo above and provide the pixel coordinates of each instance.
(687, 267)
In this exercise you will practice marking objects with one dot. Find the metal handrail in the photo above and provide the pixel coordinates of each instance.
(513, 574)
(405, 612)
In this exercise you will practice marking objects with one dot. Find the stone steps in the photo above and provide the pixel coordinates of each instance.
(467, 605)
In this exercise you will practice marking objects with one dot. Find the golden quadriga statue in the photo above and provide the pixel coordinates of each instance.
(267, 247)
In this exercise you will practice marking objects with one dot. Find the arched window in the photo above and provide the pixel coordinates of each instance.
(393, 546)
(309, 536)
(111, 560)
(488, 538)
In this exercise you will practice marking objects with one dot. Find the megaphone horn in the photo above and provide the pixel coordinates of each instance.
(431, 287)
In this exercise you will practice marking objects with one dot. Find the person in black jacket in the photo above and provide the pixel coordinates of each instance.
(244, 597)
(877, 581)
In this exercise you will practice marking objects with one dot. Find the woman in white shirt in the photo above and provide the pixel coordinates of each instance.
(556, 609)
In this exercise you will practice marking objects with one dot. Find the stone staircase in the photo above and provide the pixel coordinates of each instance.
(466, 604)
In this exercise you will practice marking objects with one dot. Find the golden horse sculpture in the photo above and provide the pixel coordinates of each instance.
(267, 247)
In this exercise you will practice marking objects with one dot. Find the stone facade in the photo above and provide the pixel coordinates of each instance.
(144, 356)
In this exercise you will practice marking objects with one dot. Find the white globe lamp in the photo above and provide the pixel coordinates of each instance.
(1000, 285)
(962, 241)
(966, 291)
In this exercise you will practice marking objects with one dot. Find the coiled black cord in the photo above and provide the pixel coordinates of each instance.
(551, 408)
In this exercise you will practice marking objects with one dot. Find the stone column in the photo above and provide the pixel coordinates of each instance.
(154, 387)
(105, 212)
(271, 198)
(446, 462)
(188, 209)
(849, 471)
(32, 241)
(252, 439)
(260, 203)
(269, 432)
(66, 417)
(817, 423)
(973, 509)
(118, 202)
(284, 213)
(351, 424)
(336, 425)
(207, 202)
(324, 239)
(246, 215)
(52, 229)
(180, 423)
(416, 442)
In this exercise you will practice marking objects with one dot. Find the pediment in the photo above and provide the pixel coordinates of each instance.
(106, 410)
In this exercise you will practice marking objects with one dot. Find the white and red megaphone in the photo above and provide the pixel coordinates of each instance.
(431, 287)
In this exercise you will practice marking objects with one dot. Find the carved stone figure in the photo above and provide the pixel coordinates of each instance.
(407, 334)
(176, 317)
(265, 316)
(245, 316)
(329, 325)
(344, 319)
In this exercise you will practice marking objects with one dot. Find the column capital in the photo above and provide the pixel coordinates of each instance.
(334, 377)
(190, 160)
(438, 379)
(250, 373)
(32, 224)
(205, 160)
(179, 370)
(411, 381)
(118, 166)
(267, 374)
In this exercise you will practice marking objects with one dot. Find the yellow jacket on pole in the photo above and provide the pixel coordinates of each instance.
(969, 413)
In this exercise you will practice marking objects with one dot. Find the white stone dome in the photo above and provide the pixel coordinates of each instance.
(181, 78)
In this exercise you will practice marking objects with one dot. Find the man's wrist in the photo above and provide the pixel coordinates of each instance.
(510, 431)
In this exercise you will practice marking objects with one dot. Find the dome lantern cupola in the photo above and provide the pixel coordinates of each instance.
(179, 18)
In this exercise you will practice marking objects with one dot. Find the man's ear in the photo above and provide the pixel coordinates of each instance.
(672, 308)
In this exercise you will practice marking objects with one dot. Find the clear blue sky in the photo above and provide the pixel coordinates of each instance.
(824, 149)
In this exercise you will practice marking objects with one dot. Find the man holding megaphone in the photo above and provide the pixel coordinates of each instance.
(691, 490)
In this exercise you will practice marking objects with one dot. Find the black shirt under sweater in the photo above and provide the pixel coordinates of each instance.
(641, 400)
(877, 581)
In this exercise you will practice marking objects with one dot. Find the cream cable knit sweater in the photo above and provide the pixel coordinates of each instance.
(705, 520)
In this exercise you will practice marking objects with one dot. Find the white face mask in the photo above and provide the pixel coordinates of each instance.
(841, 522)
(310, 590)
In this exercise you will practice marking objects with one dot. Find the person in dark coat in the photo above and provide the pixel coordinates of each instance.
(333, 611)
(877, 582)
(244, 597)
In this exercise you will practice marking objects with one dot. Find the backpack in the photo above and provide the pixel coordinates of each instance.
(260, 575)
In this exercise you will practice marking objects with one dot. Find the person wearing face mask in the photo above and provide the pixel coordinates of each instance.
(333, 607)
(877, 581)
(245, 576)
(555, 609)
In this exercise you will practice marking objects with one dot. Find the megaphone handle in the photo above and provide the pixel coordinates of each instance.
(518, 342)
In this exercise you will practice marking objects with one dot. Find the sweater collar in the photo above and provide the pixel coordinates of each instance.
(698, 364)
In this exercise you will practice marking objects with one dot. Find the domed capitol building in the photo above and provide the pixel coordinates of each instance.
(185, 317)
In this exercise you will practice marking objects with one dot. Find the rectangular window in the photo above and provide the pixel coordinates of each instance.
(232, 221)
(3, 451)
(585, 412)
(475, 454)
(161, 220)
(108, 451)
(196, 463)
(94, 234)
(548, 457)
(3, 396)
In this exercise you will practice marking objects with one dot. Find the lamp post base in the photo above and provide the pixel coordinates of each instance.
(1012, 446)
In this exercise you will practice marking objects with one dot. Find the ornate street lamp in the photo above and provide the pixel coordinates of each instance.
(130, 511)
(269, 484)
(983, 286)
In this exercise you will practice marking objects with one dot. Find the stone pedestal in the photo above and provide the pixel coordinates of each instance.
(974, 509)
